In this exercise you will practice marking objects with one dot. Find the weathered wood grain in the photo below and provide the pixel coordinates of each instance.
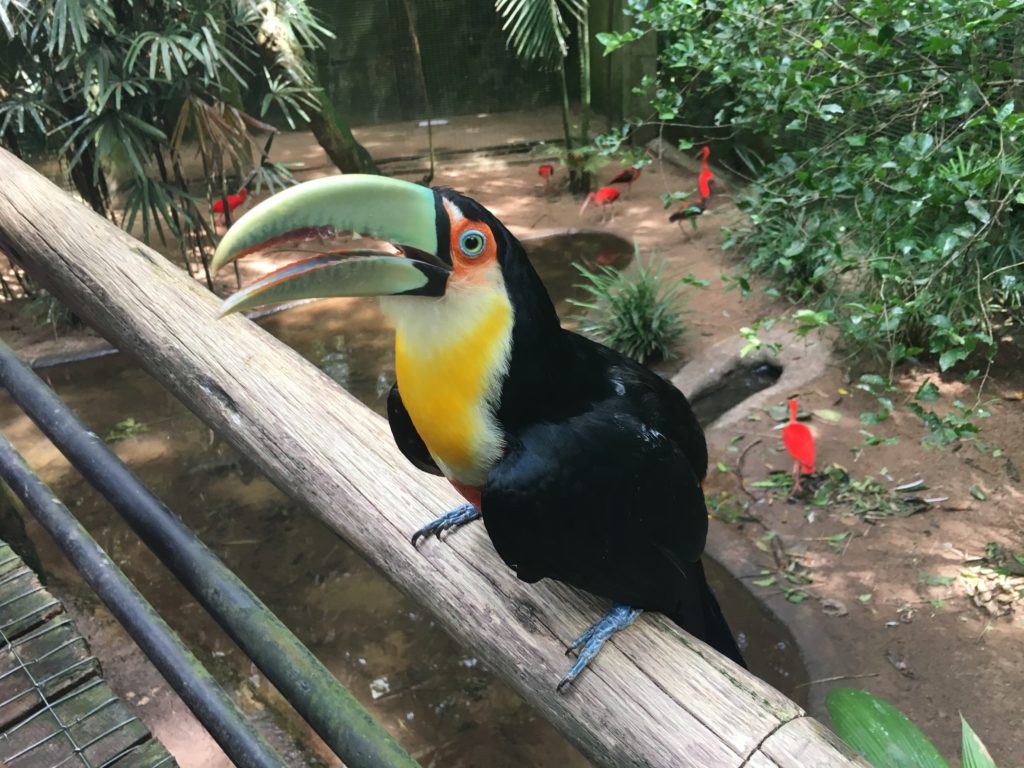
(55, 709)
(655, 697)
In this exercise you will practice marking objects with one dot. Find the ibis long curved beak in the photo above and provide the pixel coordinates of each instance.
(404, 214)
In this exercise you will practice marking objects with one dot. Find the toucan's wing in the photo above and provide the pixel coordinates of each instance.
(661, 404)
(602, 501)
(406, 437)
(611, 505)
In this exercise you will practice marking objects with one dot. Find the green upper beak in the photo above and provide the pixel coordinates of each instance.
(397, 211)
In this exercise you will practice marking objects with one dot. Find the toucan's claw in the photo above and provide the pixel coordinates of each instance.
(591, 641)
(461, 515)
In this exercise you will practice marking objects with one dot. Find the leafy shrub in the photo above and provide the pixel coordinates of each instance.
(887, 185)
(125, 91)
(47, 309)
(636, 314)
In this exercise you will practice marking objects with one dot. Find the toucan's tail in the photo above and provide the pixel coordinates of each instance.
(701, 616)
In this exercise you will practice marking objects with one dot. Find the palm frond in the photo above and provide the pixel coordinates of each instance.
(537, 29)
(6, 8)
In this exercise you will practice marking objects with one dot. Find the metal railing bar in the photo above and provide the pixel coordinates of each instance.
(212, 706)
(333, 712)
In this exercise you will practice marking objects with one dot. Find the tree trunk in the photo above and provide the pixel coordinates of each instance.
(279, 47)
(334, 135)
(410, 14)
(566, 117)
(584, 43)
(577, 181)
(583, 181)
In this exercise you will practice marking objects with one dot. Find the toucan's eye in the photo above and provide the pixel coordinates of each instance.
(472, 243)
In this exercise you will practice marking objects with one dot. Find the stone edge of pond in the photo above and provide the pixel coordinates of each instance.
(803, 360)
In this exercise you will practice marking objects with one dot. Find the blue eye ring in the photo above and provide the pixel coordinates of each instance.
(472, 243)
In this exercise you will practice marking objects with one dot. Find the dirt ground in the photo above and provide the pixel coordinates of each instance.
(888, 605)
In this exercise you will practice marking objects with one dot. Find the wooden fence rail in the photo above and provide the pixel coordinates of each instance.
(654, 697)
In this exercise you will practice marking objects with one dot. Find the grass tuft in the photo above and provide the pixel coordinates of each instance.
(637, 314)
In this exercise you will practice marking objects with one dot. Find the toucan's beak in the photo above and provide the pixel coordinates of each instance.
(397, 211)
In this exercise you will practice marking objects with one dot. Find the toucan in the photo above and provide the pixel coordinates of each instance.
(585, 466)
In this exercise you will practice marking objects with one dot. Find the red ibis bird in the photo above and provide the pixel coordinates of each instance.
(627, 177)
(706, 174)
(585, 466)
(602, 198)
(234, 201)
(799, 442)
(546, 171)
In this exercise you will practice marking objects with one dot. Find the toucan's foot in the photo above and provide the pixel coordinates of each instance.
(461, 515)
(591, 641)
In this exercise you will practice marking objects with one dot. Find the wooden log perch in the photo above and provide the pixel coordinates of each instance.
(654, 697)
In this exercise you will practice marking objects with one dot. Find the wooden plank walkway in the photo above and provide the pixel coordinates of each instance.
(55, 709)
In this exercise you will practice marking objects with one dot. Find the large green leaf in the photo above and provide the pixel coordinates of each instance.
(537, 29)
(975, 755)
(879, 731)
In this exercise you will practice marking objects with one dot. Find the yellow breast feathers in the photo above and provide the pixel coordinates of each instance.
(451, 357)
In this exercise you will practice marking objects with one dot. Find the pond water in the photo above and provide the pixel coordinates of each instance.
(442, 704)
(735, 386)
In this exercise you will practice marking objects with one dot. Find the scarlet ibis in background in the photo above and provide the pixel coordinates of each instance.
(799, 443)
(706, 174)
(585, 466)
(603, 199)
(233, 202)
(627, 177)
(546, 171)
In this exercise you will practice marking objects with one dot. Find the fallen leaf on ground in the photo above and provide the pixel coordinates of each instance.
(827, 414)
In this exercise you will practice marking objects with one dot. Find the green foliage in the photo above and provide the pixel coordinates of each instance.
(973, 752)
(887, 186)
(117, 89)
(47, 309)
(125, 429)
(958, 423)
(538, 32)
(879, 731)
(636, 314)
(888, 739)
(537, 29)
(754, 342)
(583, 160)
(834, 489)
